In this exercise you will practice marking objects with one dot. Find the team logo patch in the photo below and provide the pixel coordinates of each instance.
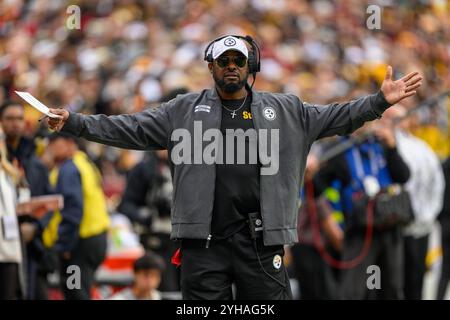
(277, 261)
(269, 113)
(229, 42)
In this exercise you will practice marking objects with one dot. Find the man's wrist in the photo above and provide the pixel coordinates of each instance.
(379, 103)
(381, 100)
(72, 124)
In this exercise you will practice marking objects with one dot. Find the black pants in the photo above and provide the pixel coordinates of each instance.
(88, 255)
(208, 273)
(386, 253)
(445, 269)
(315, 277)
(9, 281)
(415, 250)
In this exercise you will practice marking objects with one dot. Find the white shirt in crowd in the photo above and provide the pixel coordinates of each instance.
(10, 249)
(425, 185)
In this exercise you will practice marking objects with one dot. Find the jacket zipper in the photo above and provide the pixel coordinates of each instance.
(208, 239)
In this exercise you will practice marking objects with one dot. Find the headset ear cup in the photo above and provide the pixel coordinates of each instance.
(256, 61)
(251, 63)
(257, 65)
(253, 56)
(208, 53)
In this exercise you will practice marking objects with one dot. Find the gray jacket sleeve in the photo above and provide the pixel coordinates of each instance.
(149, 129)
(342, 118)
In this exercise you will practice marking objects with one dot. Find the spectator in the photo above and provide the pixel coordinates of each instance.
(426, 187)
(147, 278)
(374, 167)
(78, 231)
(10, 249)
(22, 150)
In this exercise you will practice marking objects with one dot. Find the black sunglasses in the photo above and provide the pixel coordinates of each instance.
(224, 61)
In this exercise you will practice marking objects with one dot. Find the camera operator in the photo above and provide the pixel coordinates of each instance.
(374, 166)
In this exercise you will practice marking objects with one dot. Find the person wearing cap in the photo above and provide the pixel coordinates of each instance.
(147, 272)
(216, 201)
(77, 233)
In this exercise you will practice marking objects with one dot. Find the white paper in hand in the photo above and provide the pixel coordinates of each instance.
(37, 104)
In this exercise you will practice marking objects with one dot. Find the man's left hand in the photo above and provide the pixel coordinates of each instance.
(395, 91)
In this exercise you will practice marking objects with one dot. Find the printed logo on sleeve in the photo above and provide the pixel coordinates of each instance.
(269, 113)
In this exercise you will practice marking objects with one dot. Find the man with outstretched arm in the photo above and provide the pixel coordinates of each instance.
(237, 159)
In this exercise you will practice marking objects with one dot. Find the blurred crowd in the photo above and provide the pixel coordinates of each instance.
(132, 54)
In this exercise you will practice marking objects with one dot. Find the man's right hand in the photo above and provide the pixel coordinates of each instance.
(57, 123)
